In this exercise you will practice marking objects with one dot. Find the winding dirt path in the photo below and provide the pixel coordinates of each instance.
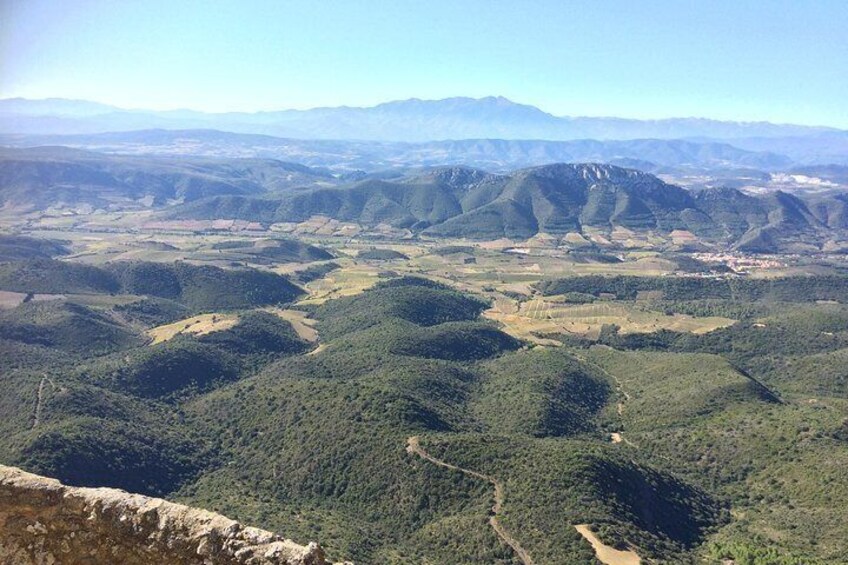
(617, 437)
(413, 447)
(39, 399)
(321, 347)
(604, 553)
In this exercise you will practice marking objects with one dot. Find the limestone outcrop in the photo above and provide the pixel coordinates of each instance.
(43, 522)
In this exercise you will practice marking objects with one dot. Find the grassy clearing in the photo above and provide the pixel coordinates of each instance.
(93, 300)
(299, 321)
(197, 325)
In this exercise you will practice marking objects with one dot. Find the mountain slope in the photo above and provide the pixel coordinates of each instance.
(46, 177)
(552, 199)
(15, 247)
(698, 439)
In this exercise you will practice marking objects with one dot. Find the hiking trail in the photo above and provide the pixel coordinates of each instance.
(413, 447)
(39, 399)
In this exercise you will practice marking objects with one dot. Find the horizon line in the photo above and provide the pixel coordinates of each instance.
(416, 99)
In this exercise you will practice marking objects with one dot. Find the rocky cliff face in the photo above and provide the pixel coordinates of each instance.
(43, 522)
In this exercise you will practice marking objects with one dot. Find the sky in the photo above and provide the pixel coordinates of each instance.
(775, 60)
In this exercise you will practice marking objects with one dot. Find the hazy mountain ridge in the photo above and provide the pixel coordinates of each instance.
(403, 120)
(45, 177)
(820, 148)
(490, 154)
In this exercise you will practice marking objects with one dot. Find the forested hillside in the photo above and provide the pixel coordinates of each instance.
(41, 178)
(554, 200)
(658, 442)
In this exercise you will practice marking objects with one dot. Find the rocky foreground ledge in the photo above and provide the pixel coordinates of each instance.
(43, 522)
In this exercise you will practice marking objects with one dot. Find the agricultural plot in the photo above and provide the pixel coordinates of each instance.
(515, 272)
(319, 225)
(347, 281)
(527, 319)
(197, 325)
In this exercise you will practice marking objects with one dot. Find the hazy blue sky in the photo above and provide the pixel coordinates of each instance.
(775, 60)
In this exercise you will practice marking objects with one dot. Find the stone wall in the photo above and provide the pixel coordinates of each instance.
(43, 522)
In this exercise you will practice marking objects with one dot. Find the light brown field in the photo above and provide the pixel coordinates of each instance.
(197, 325)
(321, 347)
(605, 553)
(347, 281)
(10, 299)
(299, 321)
(550, 316)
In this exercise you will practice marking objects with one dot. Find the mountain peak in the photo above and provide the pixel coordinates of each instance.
(457, 176)
(588, 171)
(458, 102)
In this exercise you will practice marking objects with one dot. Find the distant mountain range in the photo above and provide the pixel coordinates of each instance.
(406, 120)
(60, 177)
(458, 202)
(491, 154)
(555, 200)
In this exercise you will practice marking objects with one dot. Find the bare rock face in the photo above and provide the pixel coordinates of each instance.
(43, 522)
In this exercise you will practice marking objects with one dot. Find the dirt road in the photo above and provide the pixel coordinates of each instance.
(606, 554)
(413, 447)
(39, 400)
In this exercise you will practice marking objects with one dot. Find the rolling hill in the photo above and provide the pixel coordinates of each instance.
(552, 199)
(672, 446)
(198, 287)
(15, 247)
(54, 177)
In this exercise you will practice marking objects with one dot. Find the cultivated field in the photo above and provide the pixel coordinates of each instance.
(527, 319)
(197, 325)
(347, 281)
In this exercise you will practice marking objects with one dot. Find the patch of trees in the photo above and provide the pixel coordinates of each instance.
(416, 300)
(315, 272)
(377, 254)
(785, 289)
(198, 287)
